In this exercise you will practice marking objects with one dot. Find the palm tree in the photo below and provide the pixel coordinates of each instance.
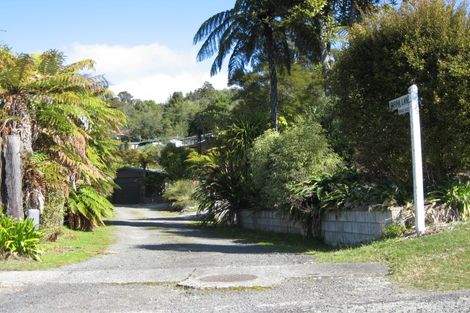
(253, 32)
(63, 123)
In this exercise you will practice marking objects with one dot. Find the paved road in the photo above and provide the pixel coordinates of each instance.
(159, 264)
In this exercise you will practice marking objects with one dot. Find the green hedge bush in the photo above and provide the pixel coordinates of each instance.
(425, 43)
(54, 210)
(279, 161)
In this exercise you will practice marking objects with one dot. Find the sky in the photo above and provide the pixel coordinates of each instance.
(141, 46)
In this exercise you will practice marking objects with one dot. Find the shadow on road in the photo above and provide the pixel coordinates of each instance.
(226, 249)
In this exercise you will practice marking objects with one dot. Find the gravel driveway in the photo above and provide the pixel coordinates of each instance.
(159, 264)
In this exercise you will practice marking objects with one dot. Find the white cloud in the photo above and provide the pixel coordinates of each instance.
(151, 71)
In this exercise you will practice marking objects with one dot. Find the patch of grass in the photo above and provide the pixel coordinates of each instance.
(439, 261)
(70, 247)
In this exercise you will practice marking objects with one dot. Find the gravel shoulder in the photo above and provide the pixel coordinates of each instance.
(160, 264)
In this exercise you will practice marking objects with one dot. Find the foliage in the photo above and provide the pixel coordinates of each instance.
(455, 196)
(64, 121)
(155, 184)
(144, 116)
(143, 157)
(19, 238)
(68, 248)
(279, 161)
(180, 193)
(255, 32)
(87, 208)
(300, 94)
(178, 113)
(195, 113)
(393, 231)
(173, 160)
(54, 210)
(424, 42)
(224, 173)
(344, 189)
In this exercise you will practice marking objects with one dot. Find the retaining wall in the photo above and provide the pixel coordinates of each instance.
(269, 221)
(355, 227)
(343, 228)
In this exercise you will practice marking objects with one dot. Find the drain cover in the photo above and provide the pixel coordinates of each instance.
(228, 278)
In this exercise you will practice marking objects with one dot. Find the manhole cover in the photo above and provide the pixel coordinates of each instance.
(228, 278)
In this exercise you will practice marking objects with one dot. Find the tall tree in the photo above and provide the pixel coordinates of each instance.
(253, 32)
(63, 122)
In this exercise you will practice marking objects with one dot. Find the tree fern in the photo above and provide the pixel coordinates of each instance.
(70, 128)
(87, 208)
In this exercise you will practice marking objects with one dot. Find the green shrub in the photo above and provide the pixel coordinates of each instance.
(279, 161)
(424, 42)
(394, 231)
(173, 160)
(155, 184)
(54, 210)
(180, 193)
(19, 238)
(454, 196)
(345, 189)
(225, 184)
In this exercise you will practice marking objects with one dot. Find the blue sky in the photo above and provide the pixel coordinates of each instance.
(143, 46)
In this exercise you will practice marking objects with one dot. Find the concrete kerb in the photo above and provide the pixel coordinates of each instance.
(262, 276)
(270, 276)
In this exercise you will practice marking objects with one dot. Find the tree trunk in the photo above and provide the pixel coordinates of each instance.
(14, 177)
(271, 49)
(20, 110)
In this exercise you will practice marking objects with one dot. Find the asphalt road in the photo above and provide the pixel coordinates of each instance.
(159, 264)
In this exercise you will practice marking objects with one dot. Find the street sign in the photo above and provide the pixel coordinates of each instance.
(401, 104)
(409, 104)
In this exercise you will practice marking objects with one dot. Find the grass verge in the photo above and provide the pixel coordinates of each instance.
(439, 261)
(70, 247)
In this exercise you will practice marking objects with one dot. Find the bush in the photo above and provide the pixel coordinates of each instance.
(155, 184)
(394, 231)
(455, 196)
(424, 42)
(173, 160)
(225, 180)
(343, 190)
(19, 238)
(54, 210)
(279, 161)
(180, 193)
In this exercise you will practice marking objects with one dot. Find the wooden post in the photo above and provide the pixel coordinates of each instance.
(14, 177)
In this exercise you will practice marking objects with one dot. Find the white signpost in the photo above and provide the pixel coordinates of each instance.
(409, 104)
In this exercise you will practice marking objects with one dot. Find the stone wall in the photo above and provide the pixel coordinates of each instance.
(355, 227)
(344, 228)
(269, 221)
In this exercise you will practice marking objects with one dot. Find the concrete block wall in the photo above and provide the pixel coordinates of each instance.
(355, 227)
(343, 228)
(269, 221)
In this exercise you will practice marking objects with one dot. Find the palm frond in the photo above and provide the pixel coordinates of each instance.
(210, 24)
